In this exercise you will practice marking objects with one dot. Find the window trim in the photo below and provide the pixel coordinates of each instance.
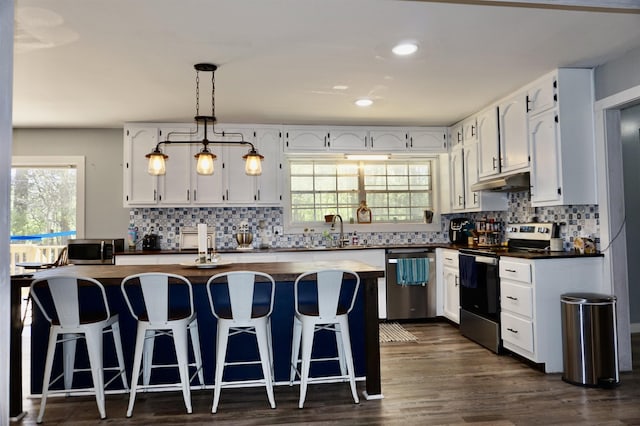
(76, 161)
(434, 226)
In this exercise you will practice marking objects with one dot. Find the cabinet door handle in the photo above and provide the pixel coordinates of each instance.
(449, 258)
(457, 280)
(527, 101)
(372, 141)
(411, 141)
(512, 330)
(495, 165)
(365, 141)
(510, 270)
(188, 195)
(258, 194)
(155, 195)
(512, 298)
(473, 130)
(475, 197)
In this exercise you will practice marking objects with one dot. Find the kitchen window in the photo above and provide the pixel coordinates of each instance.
(396, 191)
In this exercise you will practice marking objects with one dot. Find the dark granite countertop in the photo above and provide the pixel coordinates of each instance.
(535, 255)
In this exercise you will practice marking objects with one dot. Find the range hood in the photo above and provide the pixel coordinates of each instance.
(511, 183)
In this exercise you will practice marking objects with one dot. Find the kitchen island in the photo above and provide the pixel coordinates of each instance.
(363, 319)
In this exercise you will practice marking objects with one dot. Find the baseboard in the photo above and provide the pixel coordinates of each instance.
(635, 328)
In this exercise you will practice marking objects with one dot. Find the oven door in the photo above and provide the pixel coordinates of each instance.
(479, 285)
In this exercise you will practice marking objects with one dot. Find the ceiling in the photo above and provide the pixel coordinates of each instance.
(96, 63)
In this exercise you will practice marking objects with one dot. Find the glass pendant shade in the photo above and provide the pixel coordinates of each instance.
(156, 163)
(253, 163)
(205, 162)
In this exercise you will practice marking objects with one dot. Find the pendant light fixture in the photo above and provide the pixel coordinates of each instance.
(205, 158)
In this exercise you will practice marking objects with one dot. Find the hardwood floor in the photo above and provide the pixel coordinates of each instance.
(443, 378)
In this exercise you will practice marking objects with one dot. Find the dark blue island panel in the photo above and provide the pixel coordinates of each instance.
(242, 347)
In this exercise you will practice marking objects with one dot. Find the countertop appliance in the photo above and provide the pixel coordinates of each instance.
(151, 242)
(412, 299)
(480, 282)
(94, 251)
(457, 231)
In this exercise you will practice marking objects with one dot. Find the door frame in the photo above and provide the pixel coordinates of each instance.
(610, 186)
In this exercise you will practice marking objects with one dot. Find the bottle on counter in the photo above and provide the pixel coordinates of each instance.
(354, 239)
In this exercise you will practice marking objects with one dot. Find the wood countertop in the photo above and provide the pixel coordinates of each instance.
(281, 271)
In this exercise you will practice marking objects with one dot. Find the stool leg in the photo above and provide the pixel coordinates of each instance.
(181, 341)
(222, 339)
(51, 350)
(117, 343)
(265, 358)
(69, 356)
(93, 337)
(147, 365)
(346, 344)
(295, 349)
(270, 342)
(308, 331)
(137, 360)
(340, 347)
(195, 343)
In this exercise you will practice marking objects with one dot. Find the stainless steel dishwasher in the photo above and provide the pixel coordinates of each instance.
(410, 301)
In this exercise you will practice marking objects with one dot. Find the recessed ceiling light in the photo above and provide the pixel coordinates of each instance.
(404, 49)
(340, 87)
(364, 102)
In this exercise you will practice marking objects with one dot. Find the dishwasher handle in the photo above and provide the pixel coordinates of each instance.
(395, 259)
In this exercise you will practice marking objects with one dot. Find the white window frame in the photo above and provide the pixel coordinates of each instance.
(75, 161)
(434, 226)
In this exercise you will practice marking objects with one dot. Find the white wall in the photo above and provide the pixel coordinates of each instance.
(618, 75)
(6, 101)
(630, 134)
(102, 149)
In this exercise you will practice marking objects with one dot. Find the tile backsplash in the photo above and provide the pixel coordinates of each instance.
(575, 221)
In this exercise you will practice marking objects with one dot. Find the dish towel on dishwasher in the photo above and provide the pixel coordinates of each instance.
(412, 271)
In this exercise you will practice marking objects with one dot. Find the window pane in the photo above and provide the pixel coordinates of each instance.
(395, 191)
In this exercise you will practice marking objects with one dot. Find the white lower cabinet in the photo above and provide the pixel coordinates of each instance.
(450, 285)
(530, 293)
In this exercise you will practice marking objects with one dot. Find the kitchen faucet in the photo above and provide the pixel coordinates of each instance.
(341, 241)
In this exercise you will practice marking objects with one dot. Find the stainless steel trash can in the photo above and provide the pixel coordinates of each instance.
(589, 339)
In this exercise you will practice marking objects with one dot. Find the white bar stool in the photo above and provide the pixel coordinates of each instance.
(324, 312)
(248, 310)
(72, 319)
(162, 315)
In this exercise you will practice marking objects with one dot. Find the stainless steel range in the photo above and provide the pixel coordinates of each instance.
(480, 281)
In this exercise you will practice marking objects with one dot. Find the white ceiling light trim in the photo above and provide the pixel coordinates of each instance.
(364, 102)
(405, 48)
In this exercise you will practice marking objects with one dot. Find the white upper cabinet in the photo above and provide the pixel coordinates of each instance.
(241, 189)
(182, 186)
(388, 140)
(140, 188)
(469, 131)
(542, 94)
(421, 139)
(175, 185)
(488, 143)
(456, 133)
(514, 145)
(269, 183)
(457, 179)
(472, 199)
(306, 138)
(562, 141)
(347, 139)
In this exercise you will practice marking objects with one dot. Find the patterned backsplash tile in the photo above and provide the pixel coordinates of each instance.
(574, 221)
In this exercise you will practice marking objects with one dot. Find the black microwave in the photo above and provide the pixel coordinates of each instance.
(94, 251)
